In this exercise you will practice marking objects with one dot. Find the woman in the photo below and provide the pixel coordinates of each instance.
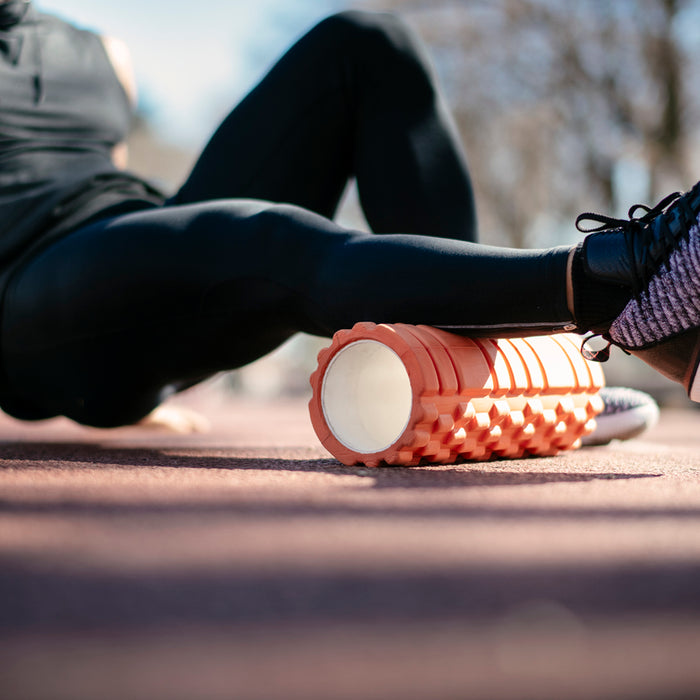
(114, 294)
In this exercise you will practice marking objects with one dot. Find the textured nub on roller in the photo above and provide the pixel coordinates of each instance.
(402, 395)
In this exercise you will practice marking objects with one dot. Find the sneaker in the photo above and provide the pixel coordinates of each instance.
(656, 259)
(626, 413)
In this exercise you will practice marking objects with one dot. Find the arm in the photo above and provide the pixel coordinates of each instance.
(118, 54)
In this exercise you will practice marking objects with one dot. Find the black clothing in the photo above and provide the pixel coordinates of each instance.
(100, 324)
(62, 110)
(355, 97)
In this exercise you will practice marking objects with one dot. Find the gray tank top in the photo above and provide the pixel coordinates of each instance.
(62, 109)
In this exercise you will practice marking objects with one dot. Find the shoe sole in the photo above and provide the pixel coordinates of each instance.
(402, 395)
(694, 393)
(625, 425)
(694, 383)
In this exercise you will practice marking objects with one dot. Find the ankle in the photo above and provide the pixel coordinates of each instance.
(593, 302)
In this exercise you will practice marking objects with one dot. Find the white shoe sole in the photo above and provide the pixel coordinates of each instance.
(623, 425)
(694, 392)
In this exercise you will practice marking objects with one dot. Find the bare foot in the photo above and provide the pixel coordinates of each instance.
(176, 419)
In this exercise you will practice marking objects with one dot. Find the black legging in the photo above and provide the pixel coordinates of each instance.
(96, 326)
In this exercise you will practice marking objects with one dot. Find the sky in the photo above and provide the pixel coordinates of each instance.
(195, 60)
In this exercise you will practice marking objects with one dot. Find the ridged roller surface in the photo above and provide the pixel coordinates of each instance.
(471, 398)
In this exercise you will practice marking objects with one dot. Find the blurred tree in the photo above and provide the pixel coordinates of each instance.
(555, 99)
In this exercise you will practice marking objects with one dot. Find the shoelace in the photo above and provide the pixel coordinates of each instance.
(649, 240)
(645, 244)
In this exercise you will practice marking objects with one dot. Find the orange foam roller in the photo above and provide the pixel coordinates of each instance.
(401, 395)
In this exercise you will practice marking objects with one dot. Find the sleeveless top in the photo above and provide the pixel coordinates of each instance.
(62, 109)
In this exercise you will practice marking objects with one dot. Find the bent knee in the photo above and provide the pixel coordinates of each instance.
(380, 38)
(386, 26)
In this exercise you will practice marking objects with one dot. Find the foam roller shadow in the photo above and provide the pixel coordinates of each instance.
(398, 394)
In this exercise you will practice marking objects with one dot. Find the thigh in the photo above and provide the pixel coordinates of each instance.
(103, 321)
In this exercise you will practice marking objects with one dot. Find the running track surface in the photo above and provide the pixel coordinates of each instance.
(247, 563)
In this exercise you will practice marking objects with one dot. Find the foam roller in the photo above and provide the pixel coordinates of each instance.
(398, 394)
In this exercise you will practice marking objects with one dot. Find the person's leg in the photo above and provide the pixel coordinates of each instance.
(98, 324)
(355, 96)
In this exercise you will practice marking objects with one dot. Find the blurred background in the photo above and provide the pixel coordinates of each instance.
(563, 107)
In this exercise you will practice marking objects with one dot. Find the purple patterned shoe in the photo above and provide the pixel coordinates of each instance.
(656, 257)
